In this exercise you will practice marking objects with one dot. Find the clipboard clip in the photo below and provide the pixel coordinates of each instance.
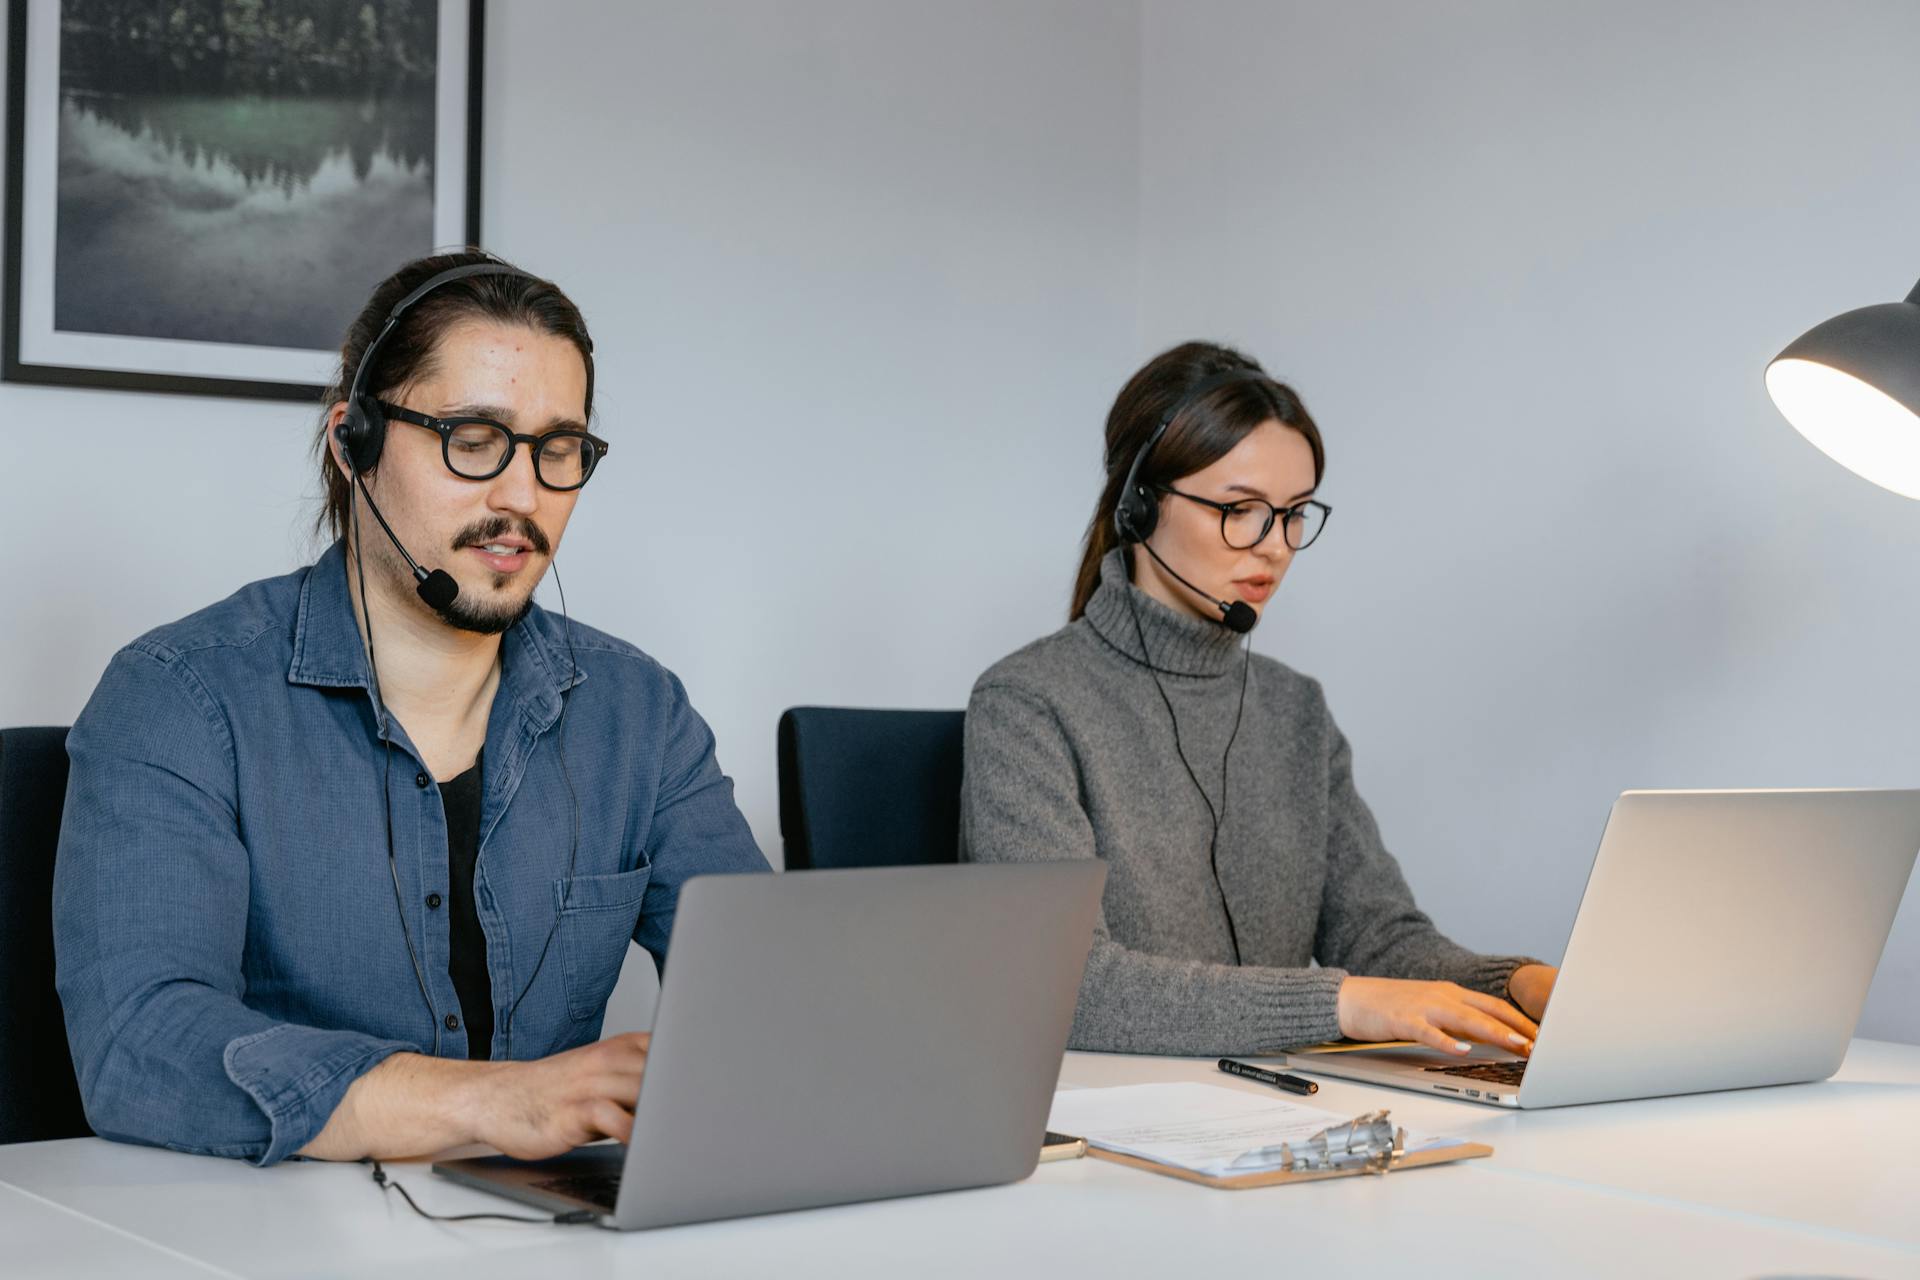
(1368, 1143)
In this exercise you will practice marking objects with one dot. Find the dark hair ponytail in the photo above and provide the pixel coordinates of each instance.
(1203, 433)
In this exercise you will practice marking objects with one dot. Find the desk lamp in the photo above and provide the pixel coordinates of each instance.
(1851, 385)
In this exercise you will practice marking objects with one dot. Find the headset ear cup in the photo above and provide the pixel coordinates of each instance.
(362, 433)
(1138, 510)
(1138, 513)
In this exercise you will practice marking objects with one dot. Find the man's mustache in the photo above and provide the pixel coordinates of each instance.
(486, 531)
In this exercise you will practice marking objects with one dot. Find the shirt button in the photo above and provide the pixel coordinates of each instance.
(433, 902)
(453, 1022)
(421, 780)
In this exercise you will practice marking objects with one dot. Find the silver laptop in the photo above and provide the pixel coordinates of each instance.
(1726, 940)
(825, 1037)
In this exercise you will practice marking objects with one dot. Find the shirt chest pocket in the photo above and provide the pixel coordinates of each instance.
(597, 917)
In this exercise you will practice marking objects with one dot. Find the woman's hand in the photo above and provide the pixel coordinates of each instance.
(1441, 1015)
(1531, 986)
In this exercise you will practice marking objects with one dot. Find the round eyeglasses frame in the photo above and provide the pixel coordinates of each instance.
(1283, 514)
(445, 427)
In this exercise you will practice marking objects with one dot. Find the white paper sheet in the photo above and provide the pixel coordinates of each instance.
(1200, 1127)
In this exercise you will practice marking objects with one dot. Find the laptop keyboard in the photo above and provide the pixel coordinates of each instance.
(1492, 1072)
(602, 1189)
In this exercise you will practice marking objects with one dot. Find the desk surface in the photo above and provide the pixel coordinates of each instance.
(1806, 1179)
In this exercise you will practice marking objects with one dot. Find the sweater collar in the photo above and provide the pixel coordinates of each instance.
(1177, 643)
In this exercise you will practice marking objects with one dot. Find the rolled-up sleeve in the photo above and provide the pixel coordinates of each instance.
(150, 904)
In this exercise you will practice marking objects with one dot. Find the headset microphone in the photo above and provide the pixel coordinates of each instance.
(1236, 616)
(436, 587)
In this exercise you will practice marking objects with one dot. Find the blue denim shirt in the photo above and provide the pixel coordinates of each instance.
(229, 949)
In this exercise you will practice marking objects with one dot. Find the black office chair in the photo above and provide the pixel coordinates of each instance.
(39, 1098)
(863, 788)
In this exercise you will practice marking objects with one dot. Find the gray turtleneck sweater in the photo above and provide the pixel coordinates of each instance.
(1070, 754)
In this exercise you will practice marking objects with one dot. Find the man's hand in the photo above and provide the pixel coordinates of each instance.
(1441, 1015)
(531, 1110)
(413, 1105)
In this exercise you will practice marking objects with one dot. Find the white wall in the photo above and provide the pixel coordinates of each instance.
(858, 274)
(856, 271)
(873, 271)
(1526, 263)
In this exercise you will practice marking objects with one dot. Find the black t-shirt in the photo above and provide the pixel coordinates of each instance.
(467, 964)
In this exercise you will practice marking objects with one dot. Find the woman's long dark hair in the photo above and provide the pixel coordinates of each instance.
(1203, 433)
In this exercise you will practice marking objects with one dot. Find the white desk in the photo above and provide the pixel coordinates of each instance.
(1809, 1179)
(39, 1237)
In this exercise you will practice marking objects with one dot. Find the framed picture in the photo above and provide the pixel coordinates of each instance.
(202, 193)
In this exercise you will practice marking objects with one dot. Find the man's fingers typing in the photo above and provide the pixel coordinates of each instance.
(622, 1087)
(612, 1120)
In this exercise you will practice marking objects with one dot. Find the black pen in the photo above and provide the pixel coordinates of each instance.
(1278, 1079)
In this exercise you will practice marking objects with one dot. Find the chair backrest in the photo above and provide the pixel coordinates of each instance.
(865, 788)
(39, 1098)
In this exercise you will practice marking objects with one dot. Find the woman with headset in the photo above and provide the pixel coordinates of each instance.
(1215, 784)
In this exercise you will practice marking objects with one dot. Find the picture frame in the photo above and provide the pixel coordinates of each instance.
(201, 194)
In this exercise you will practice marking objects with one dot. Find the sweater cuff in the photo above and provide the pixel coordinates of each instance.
(1490, 973)
(1297, 1007)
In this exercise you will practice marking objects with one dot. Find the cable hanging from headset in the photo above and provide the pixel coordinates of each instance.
(386, 773)
(1217, 816)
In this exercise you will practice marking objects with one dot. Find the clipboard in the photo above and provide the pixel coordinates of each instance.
(1368, 1144)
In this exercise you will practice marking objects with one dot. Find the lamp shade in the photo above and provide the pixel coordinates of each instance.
(1851, 385)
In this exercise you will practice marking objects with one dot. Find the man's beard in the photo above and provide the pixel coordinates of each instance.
(485, 619)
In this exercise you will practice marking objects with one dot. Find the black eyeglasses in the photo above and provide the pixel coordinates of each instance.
(480, 448)
(1246, 523)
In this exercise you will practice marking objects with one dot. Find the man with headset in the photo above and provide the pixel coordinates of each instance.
(351, 859)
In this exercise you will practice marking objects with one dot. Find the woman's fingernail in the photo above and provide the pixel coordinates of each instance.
(1461, 1046)
(1516, 1038)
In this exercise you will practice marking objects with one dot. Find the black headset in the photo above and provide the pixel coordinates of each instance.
(1137, 513)
(362, 432)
